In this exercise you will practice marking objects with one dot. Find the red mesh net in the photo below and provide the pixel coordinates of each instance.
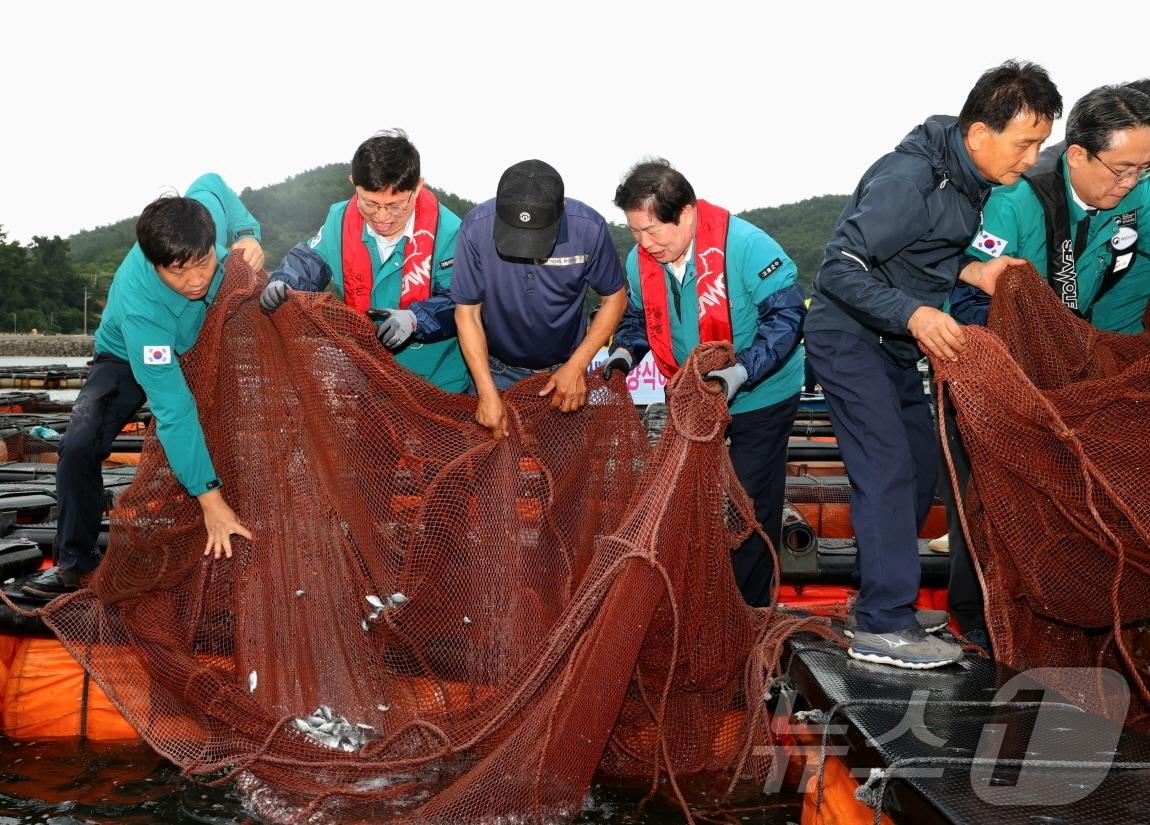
(1053, 413)
(428, 625)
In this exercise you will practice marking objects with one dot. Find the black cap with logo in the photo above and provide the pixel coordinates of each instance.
(528, 210)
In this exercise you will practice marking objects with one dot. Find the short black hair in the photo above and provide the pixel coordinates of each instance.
(1099, 113)
(658, 186)
(386, 160)
(1142, 85)
(1004, 92)
(175, 230)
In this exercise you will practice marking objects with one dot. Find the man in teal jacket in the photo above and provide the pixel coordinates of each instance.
(1085, 226)
(156, 308)
(390, 250)
(700, 274)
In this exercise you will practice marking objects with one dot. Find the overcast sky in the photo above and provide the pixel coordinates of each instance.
(107, 105)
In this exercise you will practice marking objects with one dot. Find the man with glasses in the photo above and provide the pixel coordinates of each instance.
(891, 264)
(697, 274)
(1085, 226)
(524, 263)
(390, 250)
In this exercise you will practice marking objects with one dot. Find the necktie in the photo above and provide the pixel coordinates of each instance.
(1081, 233)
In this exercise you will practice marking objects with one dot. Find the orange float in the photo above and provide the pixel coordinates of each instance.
(48, 694)
(839, 806)
(8, 645)
(437, 695)
(730, 736)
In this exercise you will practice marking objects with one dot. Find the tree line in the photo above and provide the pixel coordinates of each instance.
(43, 284)
(40, 287)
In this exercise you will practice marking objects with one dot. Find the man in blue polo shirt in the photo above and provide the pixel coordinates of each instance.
(698, 274)
(156, 308)
(389, 250)
(523, 264)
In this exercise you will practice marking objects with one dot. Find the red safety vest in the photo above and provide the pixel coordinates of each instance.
(711, 286)
(357, 274)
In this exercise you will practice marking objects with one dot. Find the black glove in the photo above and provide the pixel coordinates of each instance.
(620, 360)
(274, 294)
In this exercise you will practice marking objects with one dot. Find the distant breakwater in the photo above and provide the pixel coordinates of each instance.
(46, 346)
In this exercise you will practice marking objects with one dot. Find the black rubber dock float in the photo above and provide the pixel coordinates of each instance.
(969, 743)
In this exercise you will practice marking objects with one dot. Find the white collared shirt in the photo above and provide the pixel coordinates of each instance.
(387, 247)
(680, 270)
(1089, 210)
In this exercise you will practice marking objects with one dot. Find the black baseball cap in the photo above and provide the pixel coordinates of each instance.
(528, 210)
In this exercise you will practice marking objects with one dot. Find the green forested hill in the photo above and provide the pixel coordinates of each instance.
(39, 287)
(288, 212)
(43, 284)
(802, 229)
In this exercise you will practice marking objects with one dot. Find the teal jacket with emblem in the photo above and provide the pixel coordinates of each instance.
(433, 351)
(767, 311)
(1014, 224)
(146, 316)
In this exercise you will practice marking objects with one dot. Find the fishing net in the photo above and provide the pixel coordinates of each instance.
(429, 625)
(1055, 416)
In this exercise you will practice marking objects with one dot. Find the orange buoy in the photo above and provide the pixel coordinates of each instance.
(729, 737)
(439, 695)
(48, 694)
(839, 806)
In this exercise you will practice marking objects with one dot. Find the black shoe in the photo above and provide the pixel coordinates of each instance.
(979, 636)
(50, 583)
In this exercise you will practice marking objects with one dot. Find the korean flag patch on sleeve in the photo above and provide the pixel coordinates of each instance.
(156, 354)
(988, 244)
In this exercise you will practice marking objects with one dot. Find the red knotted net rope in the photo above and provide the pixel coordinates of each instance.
(545, 607)
(1055, 416)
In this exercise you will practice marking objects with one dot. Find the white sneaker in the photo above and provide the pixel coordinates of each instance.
(940, 544)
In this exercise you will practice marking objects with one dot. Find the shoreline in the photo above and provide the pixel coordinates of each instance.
(46, 346)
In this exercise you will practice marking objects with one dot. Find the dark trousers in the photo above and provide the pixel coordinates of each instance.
(881, 418)
(758, 452)
(964, 593)
(108, 400)
(809, 380)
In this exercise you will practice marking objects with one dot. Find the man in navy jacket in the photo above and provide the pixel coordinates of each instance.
(892, 262)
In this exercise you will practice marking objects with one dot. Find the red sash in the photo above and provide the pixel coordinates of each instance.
(357, 274)
(710, 280)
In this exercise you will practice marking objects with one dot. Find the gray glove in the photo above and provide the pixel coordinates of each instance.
(620, 360)
(731, 378)
(393, 326)
(274, 294)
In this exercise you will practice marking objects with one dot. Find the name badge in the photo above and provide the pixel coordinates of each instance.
(1124, 238)
(568, 261)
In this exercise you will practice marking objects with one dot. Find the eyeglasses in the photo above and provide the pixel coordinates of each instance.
(1138, 173)
(393, 210)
